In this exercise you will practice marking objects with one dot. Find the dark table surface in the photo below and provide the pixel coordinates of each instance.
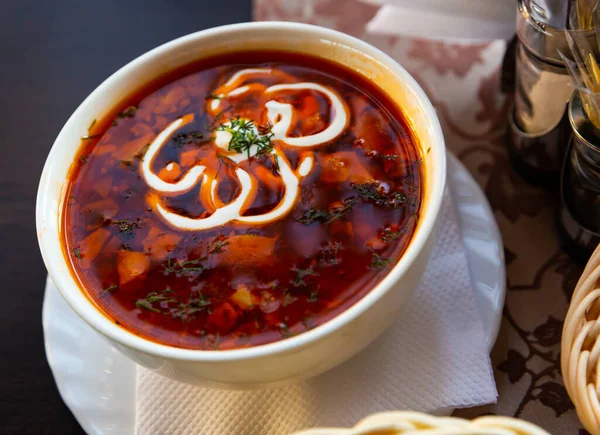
(54, 53)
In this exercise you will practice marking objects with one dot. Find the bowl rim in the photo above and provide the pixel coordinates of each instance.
(74, 294)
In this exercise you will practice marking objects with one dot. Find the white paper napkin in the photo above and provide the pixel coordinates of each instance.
(433, 358)
(441, 19)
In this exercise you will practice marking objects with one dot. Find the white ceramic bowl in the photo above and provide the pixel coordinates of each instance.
(298, 357)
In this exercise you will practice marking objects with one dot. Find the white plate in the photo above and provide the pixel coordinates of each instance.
(98, 383)
(483, 245)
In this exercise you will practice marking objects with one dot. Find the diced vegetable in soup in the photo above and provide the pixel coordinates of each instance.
(241, 200)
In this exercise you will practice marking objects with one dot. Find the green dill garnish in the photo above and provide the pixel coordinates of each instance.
(313, 296)
(77, 252)
(340, 212)
(192, 137)
(142, 152)
(245, 135)
(108, 290)
(216, 344)
(284, 330)
(126, 226)
(185, 267)
(301, 275)
(373, 192)
(165, 297)
(217, 245)
(128, 113)
(219, 116)
(89, 129)
(126, 163)
(328, 254)
(197, 265)
(313, 215)
(188, 310)
(213, 97)
(166, 303)
(143, 303)
(288, 299)
(389, 156)
(378, 262)
(276, 162)
(388, 235)
(83, 159)
(73, 200)
(224, 161)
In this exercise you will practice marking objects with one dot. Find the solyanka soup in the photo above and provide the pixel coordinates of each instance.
(241, 200)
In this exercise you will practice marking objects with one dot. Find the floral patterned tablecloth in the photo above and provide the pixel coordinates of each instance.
(463, 82)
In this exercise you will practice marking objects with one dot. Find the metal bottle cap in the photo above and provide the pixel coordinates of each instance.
(541, 25)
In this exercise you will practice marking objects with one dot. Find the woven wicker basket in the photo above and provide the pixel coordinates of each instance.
(580, 347)
(414, 423)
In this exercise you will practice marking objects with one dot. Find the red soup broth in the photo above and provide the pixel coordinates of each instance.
(237, 283)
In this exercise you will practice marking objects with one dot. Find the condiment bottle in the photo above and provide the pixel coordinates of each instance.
(578, 217)
(538, 124)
